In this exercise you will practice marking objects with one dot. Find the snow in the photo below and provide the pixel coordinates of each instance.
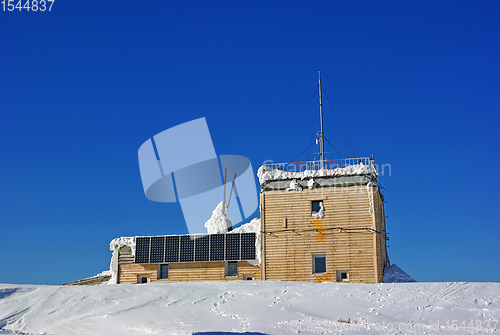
(311, 184)
(265, 174)
(218, 222)
(252, 227)
(251, 306)
(123, 241)
(393, 274)
(370, 195)
(114, 246)
(294, 186)
(321, 213)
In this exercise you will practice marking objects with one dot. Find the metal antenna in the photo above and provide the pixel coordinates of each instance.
(321, 137)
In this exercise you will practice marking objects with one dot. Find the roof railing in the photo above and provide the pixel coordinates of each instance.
(331, 164)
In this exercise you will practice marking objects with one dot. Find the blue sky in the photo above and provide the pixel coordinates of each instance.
(83, 86)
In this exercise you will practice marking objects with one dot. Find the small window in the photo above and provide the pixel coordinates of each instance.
(163, 271)
(231, 269)
(317, 209)
(143, 279)
(319, 263)
(342, 275)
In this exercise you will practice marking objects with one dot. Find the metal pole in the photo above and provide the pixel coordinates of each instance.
(321, 138)
(224, 196)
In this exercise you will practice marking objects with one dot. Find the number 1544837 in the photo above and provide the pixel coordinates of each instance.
(27, 5)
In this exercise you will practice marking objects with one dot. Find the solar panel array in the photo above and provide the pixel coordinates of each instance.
(195, 248)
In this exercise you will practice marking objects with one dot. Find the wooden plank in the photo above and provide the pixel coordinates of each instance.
(178, 272)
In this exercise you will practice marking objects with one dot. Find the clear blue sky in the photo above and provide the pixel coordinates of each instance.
(83, 86)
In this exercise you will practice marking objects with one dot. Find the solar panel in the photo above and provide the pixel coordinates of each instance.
(201, 248)
(157, 249)
(217, 247)
(171, 249)
(187, 249)
(232, 247)
(247, 246)
(142, 250)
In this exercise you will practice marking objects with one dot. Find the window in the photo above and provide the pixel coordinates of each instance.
(317, 209)
(144, 279)
(231, 269)
(163, 271)
(342, 275)
(319, 263)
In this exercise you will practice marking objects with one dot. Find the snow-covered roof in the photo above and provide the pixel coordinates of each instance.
(301, 170)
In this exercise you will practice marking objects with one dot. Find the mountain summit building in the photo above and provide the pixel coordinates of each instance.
(319, 222)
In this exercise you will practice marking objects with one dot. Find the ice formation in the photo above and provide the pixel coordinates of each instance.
(265, 173)
(311, 184)
(320, 214)
(294, 186)
(370, 195)
(218, 222)
(114, 246)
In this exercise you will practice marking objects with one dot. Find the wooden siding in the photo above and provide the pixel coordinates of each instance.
(183, 272)
(125, 256)
(344, 235)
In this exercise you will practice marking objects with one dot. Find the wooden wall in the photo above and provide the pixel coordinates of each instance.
(183, 272)
(291, 236)
(287, 251)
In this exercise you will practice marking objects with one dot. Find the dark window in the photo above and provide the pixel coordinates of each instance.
(231, 269)
(164, 271)
(342, 275)
(319, 263)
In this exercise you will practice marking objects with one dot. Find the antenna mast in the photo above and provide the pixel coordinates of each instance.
(321, 137)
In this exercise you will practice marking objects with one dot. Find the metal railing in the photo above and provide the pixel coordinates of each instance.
(332, 164)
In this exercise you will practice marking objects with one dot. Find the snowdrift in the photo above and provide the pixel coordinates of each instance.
(254, 307)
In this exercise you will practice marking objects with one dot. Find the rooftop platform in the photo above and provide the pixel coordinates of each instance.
(335, 172)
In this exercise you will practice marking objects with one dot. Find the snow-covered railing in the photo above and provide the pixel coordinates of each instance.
(332, 167)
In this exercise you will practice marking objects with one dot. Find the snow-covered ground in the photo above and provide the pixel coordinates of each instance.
(252, 307)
